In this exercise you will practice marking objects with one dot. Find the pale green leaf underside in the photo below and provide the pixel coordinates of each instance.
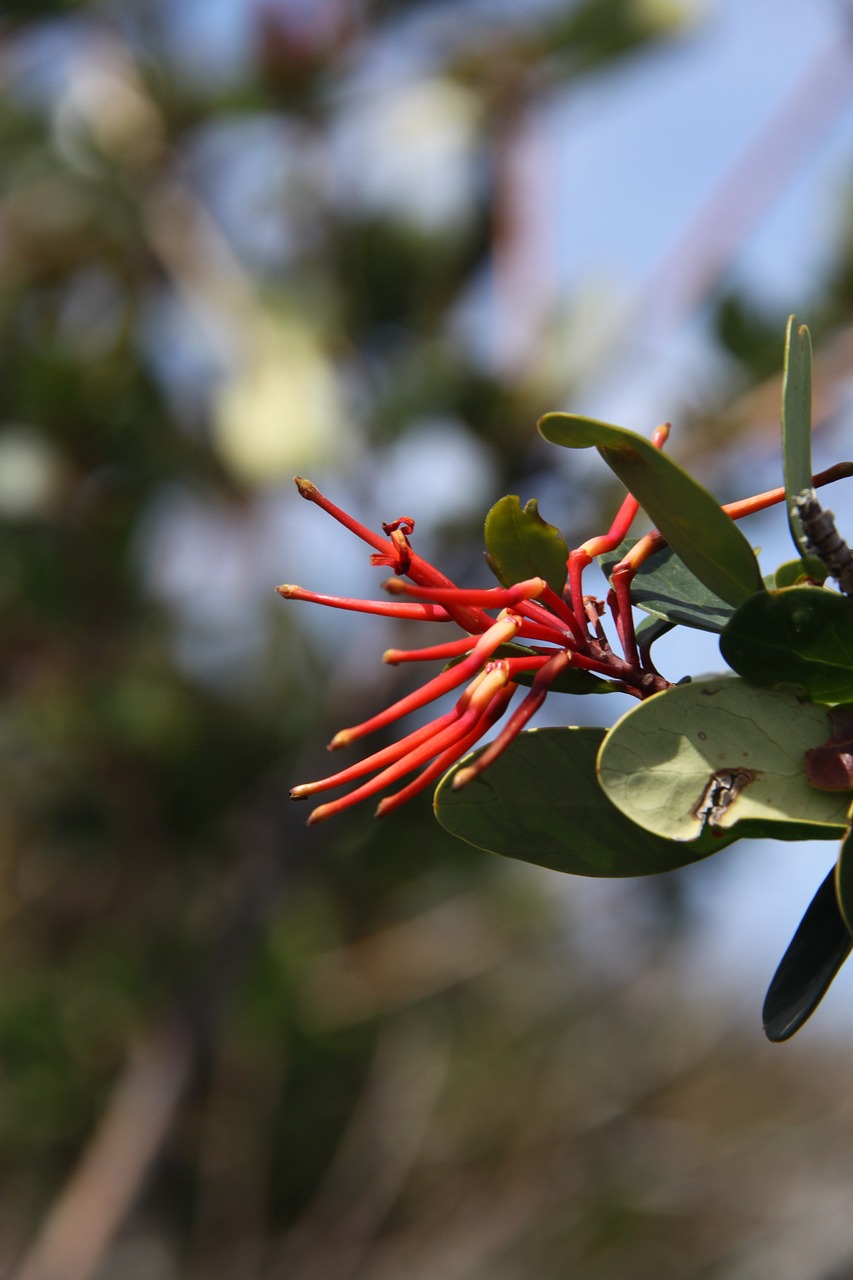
(657, 762)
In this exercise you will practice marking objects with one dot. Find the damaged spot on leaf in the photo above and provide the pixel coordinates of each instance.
(830, 766)
(724, 787)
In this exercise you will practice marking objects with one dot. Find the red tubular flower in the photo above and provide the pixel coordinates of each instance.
(549, 635)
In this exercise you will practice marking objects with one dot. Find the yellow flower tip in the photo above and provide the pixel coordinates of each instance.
(288, 590)
(320, 814)
(463, 777)
(305, 487)
(395, 586)
(341, 739)
(391, 656)
(300, 792)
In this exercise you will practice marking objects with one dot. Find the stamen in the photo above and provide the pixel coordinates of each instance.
(405, 524)
(401, 556)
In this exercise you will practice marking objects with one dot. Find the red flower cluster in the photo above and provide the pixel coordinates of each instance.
(550, 634)
(536, 636)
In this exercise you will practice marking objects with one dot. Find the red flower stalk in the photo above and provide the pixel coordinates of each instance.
(549, 635)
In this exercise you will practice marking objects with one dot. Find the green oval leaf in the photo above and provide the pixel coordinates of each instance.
(817, 951)
(650, 630)
(797, 422)
(689, 517)
(800, 636)
(665, 587)
(719, 753)
(540, 802)
(521, 545)
(804, 571)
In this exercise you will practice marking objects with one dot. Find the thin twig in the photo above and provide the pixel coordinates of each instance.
(83, 1221)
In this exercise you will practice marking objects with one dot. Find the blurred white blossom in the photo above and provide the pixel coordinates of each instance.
(411, 151)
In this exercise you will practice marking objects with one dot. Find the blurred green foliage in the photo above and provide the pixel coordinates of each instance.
(373, 1052)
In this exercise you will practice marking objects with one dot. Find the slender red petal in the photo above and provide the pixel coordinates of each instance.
(313, 494)
(378, 760)
(758, 502)
(652, 542)
(524, 666)
(623, 614)
(552, 634)
(561, 610)
(578, 561)
(618, 530)
(485, 597)
(585, 554)
(469, 708)
(528, 708)
(501, 630)
(449, 757)
(433, 653)
(387, 608)
(418, 569)
(560, 632)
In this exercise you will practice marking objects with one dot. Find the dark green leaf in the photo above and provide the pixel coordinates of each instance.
(800, 636)
(688, 516)
(665, 587)
(521, 545)
(800, 572)
(817, 951)
(650, 630)
(797, 422)
(540, 802)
